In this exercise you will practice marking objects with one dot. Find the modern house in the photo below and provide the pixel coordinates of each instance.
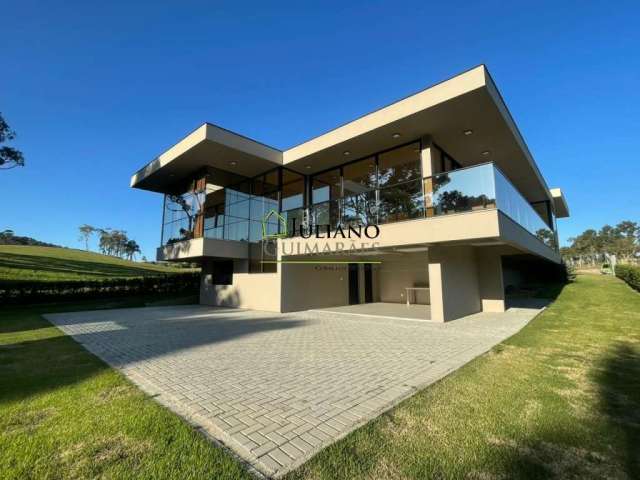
(433, 200)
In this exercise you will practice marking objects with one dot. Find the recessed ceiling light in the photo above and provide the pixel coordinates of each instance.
(396, 135)
(307, 167)
(486, 152)
(468, 132)
(346, 153)
(233, 163)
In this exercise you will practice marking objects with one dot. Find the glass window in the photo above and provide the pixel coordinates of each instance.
(359, 177)
(180, 213)
(326, 186)
(399, 165)
(262, 205)
(436, 160)
(292, 190)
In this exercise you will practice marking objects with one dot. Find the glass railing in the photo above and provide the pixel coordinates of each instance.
(460, 190)
(515, 206)
(480, 187)
(468, 189)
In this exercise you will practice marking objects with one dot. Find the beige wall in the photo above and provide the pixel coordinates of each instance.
(203, 247)
(256, 291)
(465, 280)
(306, 286)
(490, 276)
(396, 272)
(462, 280)
(454, 286)
(514, 234)
(476, 225)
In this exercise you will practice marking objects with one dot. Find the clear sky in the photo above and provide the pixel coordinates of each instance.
(97, 89)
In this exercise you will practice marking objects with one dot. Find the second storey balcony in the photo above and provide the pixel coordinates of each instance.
(242, 214)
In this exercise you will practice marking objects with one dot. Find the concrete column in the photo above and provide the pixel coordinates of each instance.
(426, 160)
(425, 156)
(491, 279)
(453, 283)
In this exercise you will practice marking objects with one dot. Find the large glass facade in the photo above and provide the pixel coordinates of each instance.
(387, 187)
(180, 215)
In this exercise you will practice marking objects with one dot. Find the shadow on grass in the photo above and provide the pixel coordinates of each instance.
(619, 383)
(535, 296)
(37, 366)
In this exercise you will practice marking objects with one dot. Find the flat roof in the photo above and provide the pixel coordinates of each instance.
(559, 203)
(468, 101)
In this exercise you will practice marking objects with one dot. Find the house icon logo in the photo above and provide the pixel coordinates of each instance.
(281, 221)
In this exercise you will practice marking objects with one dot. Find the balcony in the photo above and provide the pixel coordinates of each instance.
(477, 188)
(239, 217)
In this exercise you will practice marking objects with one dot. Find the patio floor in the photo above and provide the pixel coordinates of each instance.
(277, 388)
(383, 309)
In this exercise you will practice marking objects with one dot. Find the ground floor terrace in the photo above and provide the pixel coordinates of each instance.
(276, 388)
(417, 282)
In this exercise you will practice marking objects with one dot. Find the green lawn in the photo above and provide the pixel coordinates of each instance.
(48, 263)
(65, 414)
(559, 400)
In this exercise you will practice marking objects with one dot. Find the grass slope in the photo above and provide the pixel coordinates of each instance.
(47, 263)
(561, 399)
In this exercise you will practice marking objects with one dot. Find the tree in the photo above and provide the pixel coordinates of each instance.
(86, 231)
(623, 240)
(105, 243)
(9, 156)
(131, 248)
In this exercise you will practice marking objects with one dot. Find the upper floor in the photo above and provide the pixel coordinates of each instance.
(450, 149)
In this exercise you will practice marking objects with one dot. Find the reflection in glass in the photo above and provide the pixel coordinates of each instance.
(401, 202)
(326, 186)
(514, 205)
(461, 191)
(359, 209)
(359, 177)
(292, 190)
(399, 165)
(180, 213)
(327, 213)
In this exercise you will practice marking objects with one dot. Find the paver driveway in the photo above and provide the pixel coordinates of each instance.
(276, 388)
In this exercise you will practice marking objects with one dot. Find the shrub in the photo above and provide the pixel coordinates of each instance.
(630, 274)
(15, 291)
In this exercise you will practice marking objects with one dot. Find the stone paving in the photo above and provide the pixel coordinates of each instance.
(277, 388)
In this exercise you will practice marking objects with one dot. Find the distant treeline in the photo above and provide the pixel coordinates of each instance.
(110, 241)
(622, 240)
(7, 237)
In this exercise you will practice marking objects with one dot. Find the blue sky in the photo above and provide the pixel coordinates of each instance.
(97, 89)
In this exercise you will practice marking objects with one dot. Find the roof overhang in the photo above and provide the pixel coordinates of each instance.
(208, 145)
(443, 112)
(559, 203)
(469, 101)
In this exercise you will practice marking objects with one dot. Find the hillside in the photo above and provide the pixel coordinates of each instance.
(47, 263)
